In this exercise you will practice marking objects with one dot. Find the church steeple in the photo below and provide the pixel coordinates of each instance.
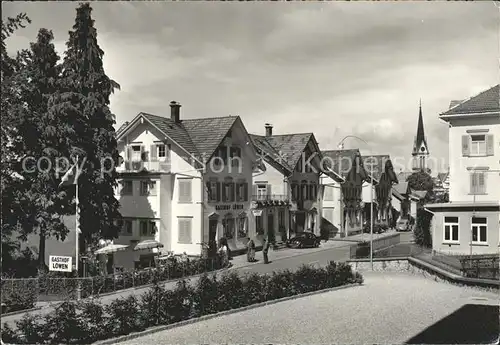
(420, 148)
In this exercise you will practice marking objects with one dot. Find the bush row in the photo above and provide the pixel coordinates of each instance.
(23, 294)
(88, 321)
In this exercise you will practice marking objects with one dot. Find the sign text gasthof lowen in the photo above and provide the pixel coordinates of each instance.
(60, 263)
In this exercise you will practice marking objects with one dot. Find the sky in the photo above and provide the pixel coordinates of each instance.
(331, 68)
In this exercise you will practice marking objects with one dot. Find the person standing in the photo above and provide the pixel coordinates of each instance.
(224, 251)
(265, 250)
(251, 250)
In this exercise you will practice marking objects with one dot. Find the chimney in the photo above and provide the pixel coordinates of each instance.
(175, 111)
(269, 130)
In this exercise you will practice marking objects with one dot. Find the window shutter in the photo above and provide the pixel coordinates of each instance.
(128, 151)
(465, 145)
(153, 153)
(224, 196)
(482, 182)
(218, 196)
(254, 190)
(490, 145)
(473, 183)
(269, 189)
(245, 192)
(143, 154)
(188, 190)
(232, 186)
(209, 191)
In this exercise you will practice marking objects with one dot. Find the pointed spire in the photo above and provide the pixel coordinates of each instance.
(420, 126)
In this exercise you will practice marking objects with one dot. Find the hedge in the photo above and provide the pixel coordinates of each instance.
(23, 294)
(89, 321)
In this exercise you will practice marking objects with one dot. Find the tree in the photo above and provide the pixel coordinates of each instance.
(38, 140)
(421, 180)
(83, 103)
(10, 102)
(423, 236)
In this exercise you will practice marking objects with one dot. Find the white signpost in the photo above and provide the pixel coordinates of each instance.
(60, 263)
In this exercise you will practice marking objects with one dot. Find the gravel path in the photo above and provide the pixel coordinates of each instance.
(389, 309)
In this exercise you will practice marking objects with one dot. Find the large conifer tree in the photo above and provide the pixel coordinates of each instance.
(40, 139)
(83, 103)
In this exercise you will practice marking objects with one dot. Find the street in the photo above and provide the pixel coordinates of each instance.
(390, 308)
(285, 259)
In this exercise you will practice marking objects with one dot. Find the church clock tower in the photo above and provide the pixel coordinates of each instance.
(420, 149)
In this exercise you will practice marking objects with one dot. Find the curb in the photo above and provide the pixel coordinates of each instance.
(20, 311)
(212, 316)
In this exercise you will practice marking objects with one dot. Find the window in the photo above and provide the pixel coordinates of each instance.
(235, 154)
(152, 228)
(242, 226)
(144, 227)
(136, 153)
(451, 229)
(328, 194)
(222, 154)
(477, 144)
(228, 226)
(281, 219)
(126, 229)
(259, 225)
(184, 224)
(295, 190)
(304, 192)
(162, 152)
(148, 187)
(127, 186)
(261, 191)
(212, 188)
(478, 183)
(241, 191)
(185, 194)
(479, 230)
(228, 191)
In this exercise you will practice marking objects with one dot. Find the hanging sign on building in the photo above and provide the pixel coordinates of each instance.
(229, 207)
(257, 213)
(60, 263)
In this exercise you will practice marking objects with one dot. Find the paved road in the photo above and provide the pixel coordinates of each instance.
(338, 251)
(390, 308)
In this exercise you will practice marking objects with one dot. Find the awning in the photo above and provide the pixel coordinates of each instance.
(148, 244)
(112, 248)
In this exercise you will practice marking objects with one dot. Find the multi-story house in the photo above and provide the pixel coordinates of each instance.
(343, 207)
(184, 183)
(287, 192)
(470, 221)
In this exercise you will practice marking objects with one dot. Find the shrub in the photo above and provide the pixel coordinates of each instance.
(123, 316)
(21, 298)
(153, 307)
(31, 330)
(94, 321)
(254, 285)
(180, 302)
(279, 285)
(231, 293)
(206, 295)
(9, 336)
(64, 324)
(422, 231)
(308, 278)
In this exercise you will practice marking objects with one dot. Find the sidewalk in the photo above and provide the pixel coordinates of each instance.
(364, 237)
(241, 260)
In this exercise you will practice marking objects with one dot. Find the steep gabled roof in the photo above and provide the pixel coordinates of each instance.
(290, 146)
(378, 164)
(341, 161)
(207, 134)
(486, 101)
(198, 137)
(402, 188)
(270, 154)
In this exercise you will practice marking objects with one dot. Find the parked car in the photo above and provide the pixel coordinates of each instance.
(304, 239)
(403, 225)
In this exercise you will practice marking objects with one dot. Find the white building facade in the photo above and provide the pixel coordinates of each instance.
(470, 222)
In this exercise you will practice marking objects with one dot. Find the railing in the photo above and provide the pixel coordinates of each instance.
(21, 294)
(486, 267)
(161, 166)
(272, 197)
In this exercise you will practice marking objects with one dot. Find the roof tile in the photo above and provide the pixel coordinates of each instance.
(486, 101)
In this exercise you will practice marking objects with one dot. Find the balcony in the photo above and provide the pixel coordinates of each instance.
(273, 199)
(136, 166)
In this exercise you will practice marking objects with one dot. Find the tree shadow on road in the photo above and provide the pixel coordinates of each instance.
(471, 324)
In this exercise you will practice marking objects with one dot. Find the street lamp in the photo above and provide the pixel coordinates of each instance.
(341, 146)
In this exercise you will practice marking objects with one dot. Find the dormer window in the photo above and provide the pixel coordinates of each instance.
(136, 153)
(162, 152)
